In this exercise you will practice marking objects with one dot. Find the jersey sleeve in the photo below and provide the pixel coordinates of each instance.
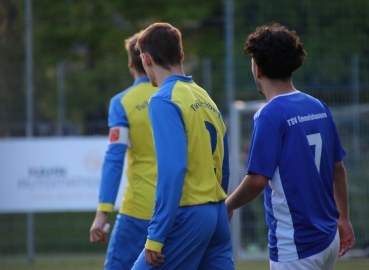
(225, 166)
(114, 157)
(117, 114)
(265, 147)
(171, 153)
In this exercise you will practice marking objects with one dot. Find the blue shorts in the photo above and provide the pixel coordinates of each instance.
(200, 239)
(126, 242)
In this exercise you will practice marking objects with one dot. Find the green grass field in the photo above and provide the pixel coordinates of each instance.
(95, 262)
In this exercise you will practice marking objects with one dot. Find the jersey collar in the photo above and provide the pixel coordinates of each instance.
(141, 80)
(287, 94)
(177, 77)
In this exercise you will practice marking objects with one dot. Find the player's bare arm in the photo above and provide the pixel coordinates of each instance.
(98, 230)
(251, 186)
(347, 237)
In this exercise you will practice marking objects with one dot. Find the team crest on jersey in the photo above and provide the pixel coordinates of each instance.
(114, 135)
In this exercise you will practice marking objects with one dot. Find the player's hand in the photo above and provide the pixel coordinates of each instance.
(153, 258)
(97, 231)
(230, 212)
(347, 236)
(230, 215)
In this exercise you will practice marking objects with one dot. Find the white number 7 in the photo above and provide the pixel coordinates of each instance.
(316, 139)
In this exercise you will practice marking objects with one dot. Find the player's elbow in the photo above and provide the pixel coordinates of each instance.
(339, 168)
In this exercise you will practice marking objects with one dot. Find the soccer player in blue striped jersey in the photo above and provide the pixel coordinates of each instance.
(189, 225)
(131, 135)
(296, 157)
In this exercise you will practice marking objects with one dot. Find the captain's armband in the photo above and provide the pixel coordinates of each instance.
(119, 135)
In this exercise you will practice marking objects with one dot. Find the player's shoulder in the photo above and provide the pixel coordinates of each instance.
(132, 90)
(286, 101)
(269, 109)
(165, 91)
(117, 98)
(310, 103)
(278, 105)
(142, 84)
(172, 83)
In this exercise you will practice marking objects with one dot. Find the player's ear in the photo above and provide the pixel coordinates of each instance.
(258, 72)
(182, 56)
(130, 62)
(146, 59)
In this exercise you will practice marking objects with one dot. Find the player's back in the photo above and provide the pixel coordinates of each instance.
(139, 194)
(309, 136)
(205, 131)
(304, 175)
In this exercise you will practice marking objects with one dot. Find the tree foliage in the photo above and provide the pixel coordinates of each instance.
(11, 51)
(88, 35)
(332, 32)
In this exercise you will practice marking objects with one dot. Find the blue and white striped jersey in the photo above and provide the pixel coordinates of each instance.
(295, 143)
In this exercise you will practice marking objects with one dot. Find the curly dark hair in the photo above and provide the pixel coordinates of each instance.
(277, 51)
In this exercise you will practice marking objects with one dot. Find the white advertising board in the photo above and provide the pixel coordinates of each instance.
(52, 174)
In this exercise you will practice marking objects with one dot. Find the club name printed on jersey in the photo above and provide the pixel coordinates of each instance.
(298, 119)
(118, 135)
(203, 104)
(142, 106)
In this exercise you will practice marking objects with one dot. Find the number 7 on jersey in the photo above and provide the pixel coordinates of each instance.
(316, 139)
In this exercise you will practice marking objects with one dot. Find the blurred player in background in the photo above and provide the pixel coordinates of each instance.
(189, 225)
(130, 131)
(296, 156)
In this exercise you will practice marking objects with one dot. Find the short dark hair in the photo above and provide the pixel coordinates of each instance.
(277, 51)
(134, 53)
(163, 42)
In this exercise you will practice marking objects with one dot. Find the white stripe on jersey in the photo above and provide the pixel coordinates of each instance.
(256, 115)
(284, 232)
(119, 135)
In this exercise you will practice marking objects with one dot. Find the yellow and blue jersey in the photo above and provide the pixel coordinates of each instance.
(191, 150)
(131, 133)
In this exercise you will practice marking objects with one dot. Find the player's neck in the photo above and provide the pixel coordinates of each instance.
(273, 88)
(138, 75)
(161, 73)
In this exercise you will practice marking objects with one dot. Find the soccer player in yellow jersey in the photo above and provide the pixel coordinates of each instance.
(189, 228)
(131, 134)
